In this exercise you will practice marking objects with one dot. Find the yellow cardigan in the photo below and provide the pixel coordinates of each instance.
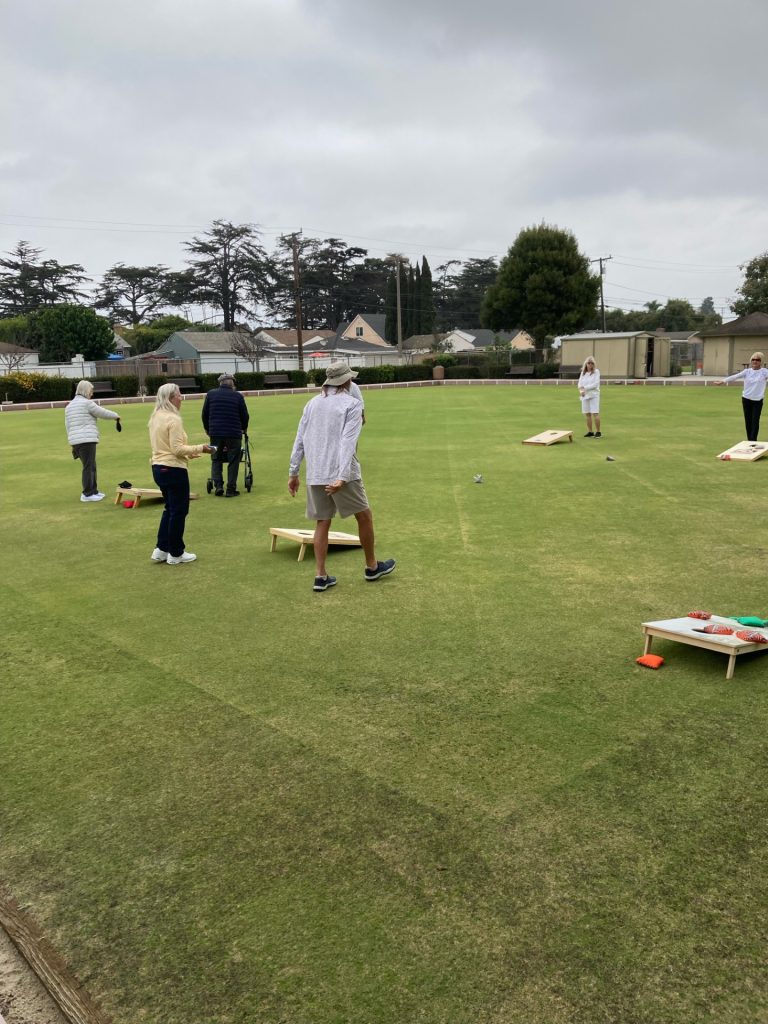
(169, 441)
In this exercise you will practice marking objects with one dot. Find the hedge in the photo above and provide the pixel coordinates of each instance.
(36, 387)
(418, 371)
(462, 372)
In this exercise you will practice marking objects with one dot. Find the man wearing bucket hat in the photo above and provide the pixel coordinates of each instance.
(327, 439)
(225, 420)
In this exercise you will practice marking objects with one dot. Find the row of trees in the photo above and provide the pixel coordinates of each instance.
(544, 284)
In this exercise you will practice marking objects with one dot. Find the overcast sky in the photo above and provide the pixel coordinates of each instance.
(419, 126)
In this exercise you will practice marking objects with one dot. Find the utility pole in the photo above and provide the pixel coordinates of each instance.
(399, 313)
(297, 296)
(601, 260)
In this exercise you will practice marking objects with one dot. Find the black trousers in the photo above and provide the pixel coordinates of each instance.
(229, 450)
(752, 410)
(87, 455)
(174, 483)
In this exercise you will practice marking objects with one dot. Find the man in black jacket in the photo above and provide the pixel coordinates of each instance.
(225, 419)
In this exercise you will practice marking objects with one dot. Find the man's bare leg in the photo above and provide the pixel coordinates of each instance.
(322, 528)
(365, 532)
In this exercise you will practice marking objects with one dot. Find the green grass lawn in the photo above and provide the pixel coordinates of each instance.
(450, 797)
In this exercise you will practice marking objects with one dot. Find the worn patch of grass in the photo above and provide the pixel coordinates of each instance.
(450, 796)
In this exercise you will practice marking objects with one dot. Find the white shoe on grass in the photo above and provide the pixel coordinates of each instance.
(182, 559)
(159, 556)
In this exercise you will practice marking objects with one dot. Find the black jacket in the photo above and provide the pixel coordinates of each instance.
(225, 413)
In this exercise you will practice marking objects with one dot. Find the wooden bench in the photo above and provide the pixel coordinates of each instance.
(102, 387)
(137, 493)
(566, 372)
(275, 380)
(184, 383)
(519, 371)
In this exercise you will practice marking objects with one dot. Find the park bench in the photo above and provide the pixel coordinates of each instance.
(520, 371)
(275, 380)
(102, 387)
(569, 371)
(183, 383)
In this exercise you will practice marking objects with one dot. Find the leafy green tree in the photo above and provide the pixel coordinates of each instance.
(147, 337)
(707, 307)
(27, 282)
(754, 288)
(229, 268)
(60, 332)
(426, 299)
(132, 295)
(390, 309)
(461, 292)
(544, 284)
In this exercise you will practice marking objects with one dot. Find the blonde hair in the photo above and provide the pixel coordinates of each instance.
(84, 389)
(163, 399)
(589, 359)
(757, 355)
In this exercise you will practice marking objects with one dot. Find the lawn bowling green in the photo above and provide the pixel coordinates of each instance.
(684, 631)
(744, 451)
(306, 537)
(547, 437)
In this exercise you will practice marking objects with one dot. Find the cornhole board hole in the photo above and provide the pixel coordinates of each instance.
(307, 537)
(548, 437)
(745, 451)
(137, 493)
(682, 631)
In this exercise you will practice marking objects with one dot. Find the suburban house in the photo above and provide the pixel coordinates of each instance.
(356, 353)
(466, 340)
(727, 348)
(16, 357)
(365, 327)
(619, 354)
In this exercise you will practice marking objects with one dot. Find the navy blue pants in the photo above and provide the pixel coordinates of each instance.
(174, 483)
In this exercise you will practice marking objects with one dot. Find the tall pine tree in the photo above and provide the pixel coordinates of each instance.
(427, 300)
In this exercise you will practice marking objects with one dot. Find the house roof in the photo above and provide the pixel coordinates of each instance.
(207, 341)
(677, 335)
(376, 321)
(351, 346)
(600, 336)
(484, 338)
(417, 342)
(750, 323)
(7, 347)
(287, 335)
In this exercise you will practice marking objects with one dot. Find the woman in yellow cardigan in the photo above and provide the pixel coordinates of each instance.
(170, 455)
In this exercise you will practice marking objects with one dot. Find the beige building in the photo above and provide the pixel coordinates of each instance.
(636, 354)
(727, 348)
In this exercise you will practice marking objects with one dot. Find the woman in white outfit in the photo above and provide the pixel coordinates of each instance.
(754, 377)
(80, 417)
(589, 389)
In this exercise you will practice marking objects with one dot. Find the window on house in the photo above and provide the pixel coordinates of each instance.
(358, 332)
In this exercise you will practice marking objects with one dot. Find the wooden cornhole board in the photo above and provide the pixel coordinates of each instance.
(550, 437)
(745, 451)
(307, 537)
(137, 493)
(682, 631)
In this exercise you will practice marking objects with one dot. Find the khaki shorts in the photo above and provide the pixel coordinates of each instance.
(350, 499)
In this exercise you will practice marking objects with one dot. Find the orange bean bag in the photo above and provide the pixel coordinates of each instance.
(650, 660)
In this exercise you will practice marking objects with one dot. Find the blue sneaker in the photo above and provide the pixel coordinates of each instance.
(323, 582)
(382, 569)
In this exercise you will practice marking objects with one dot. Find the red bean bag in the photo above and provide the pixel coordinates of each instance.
(650, 660)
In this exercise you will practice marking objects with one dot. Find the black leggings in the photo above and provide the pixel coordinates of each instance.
(752, 410)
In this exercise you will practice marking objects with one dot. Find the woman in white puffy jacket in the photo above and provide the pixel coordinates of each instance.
(83, 434)
(589, 389)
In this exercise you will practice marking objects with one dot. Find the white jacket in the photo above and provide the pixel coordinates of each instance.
(80, 418)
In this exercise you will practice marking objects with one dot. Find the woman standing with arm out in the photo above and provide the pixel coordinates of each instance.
(754, 377)
(589, 390)
(170, 455)
(80, 418)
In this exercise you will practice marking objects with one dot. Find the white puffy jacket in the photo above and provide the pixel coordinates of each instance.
(80, 417)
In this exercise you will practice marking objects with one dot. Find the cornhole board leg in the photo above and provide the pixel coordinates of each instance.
(306, 537)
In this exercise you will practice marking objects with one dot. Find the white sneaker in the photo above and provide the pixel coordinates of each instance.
(85, 497)
(98, 496)
(186, 557)
(159, 556)
(91, 497)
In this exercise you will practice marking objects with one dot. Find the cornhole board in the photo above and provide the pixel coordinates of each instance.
(307, 537)
(745, 451)
(137, 493)
(682, 631)
(548, 437)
